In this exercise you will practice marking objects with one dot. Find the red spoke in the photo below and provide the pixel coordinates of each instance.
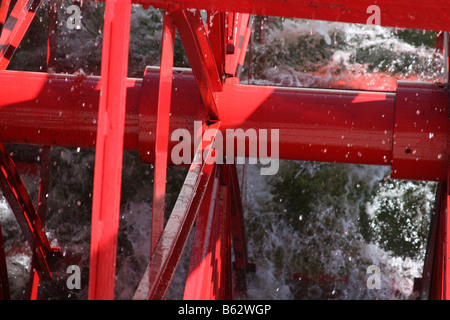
(109, 149)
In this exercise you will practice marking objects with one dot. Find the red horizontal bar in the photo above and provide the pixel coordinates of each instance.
(412, 14)
(314, 124)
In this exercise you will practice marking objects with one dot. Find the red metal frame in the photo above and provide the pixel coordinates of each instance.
(413, 14)
(162, 131)
(196, 43)
(315, 124)
(18, 199)
(109, 150)
(15, 28)
(165, 259)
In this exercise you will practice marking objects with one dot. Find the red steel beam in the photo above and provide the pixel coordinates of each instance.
(33, 282)
(52, 34)
(436, 273)
(196, 43)
(238, 46)
(314, 124)
(21, 205)
(238, 233)
(162, 131)
(163, 264)
(4, 7)
(412, 14)
(200, 273)
(223, 280)
(217, 38)
(209, 275)
(109, 150)
(15, 28)
(421, 127)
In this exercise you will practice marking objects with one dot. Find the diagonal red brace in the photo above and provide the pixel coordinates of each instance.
(164, 262)
(15, 28)
(16, 194)
(200, 273)
(240, 36)
(4, 7)
(195, 40)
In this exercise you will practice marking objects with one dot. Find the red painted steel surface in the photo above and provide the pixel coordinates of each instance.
(15, 28)
(200, 273)
(196, 43)
(238, 234)
(15, 193)
(420, 132)
(413, 14)
(162, 131)
(435, 279)
(109, 150)
(314, 124)
(164, 261)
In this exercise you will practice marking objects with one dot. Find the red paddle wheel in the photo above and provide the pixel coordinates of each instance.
(125, 109)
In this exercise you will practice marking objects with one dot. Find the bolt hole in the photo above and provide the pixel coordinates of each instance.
(408, 150)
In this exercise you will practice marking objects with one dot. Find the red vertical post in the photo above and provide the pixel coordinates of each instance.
(237, 46)
(52, 34)
(109, 150)
(238, 233)
(162, 130)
